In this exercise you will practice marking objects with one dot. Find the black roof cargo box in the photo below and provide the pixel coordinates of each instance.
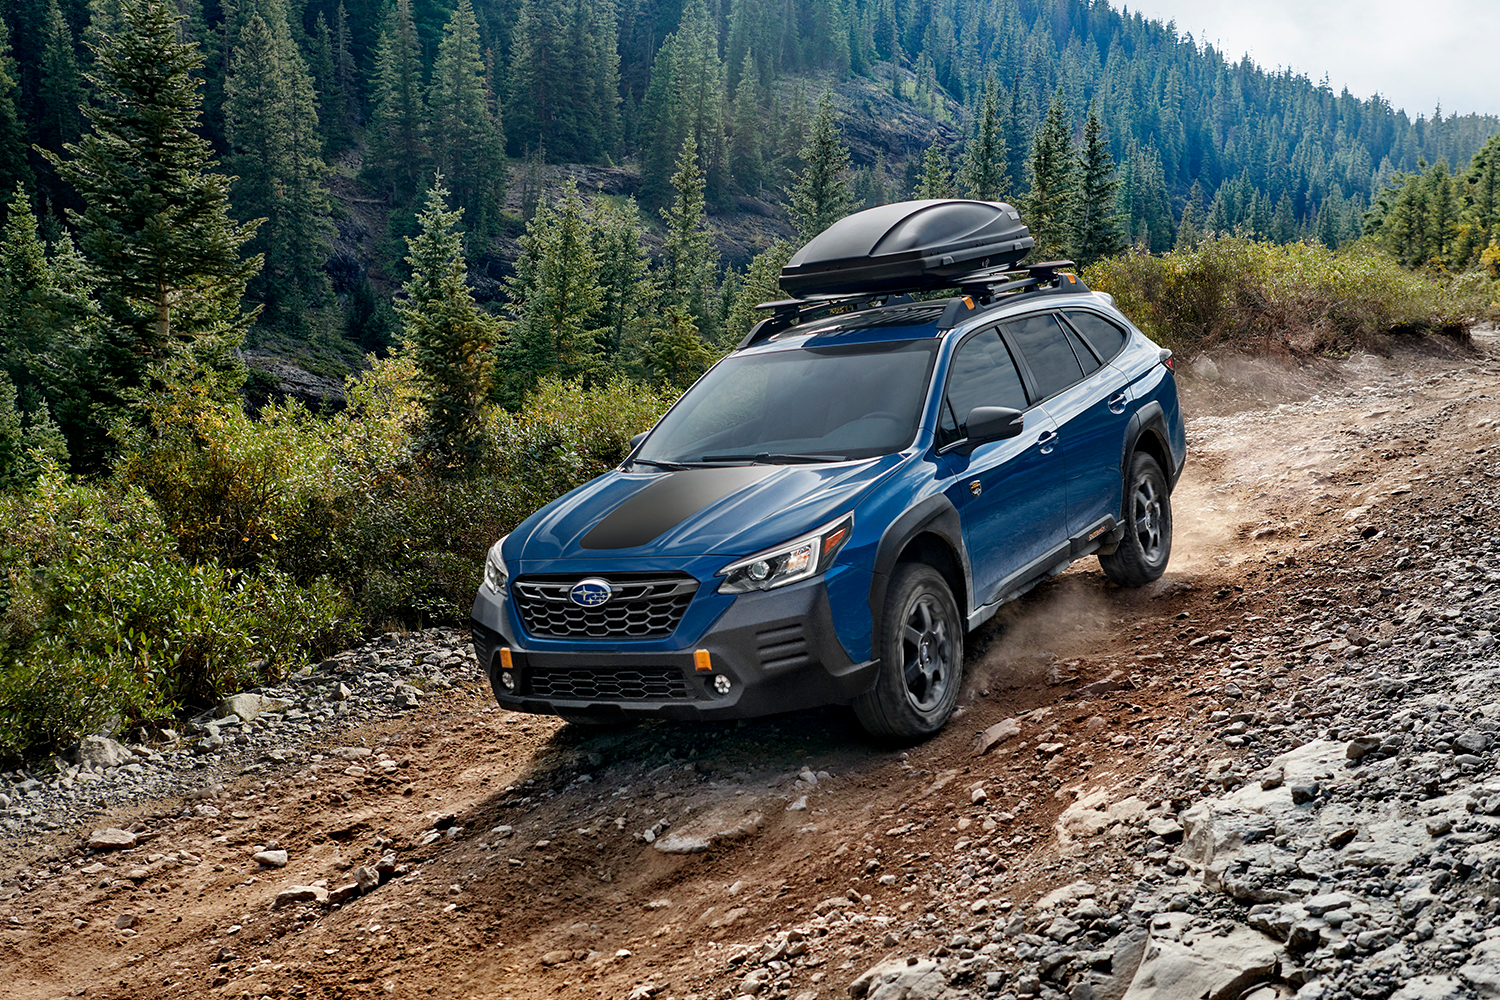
(908, 247)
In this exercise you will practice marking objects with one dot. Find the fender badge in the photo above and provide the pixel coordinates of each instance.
(591, 593)
(975, 488)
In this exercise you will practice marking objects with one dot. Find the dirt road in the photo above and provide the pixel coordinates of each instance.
(525, 858)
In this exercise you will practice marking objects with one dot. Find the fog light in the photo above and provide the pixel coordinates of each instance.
(508, 681)
(721, 684)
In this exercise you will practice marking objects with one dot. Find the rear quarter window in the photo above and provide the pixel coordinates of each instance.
(1045, 348)
(1103, 336)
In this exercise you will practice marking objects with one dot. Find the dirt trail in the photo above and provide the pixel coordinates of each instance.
(528, 852)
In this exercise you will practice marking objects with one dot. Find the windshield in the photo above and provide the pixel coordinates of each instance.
(806, 405)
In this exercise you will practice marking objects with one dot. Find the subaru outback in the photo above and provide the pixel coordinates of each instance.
(826, 513)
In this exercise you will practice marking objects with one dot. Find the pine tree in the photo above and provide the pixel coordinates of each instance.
(22, 437)
(675, 354)
(553, 324)
(467, 141)
(49, 325)
(275, 152)
(398, 145)
(821, 195)
(745, 159)
(689, 259)
(61, 91)
(685, 97)
(617, 238)
(762, 284)
(1049, 205)
(937, 178)
(983, 176)
(1442, 215)
(1097, 225)
(156, 221)
(13, 166)
(450, 339)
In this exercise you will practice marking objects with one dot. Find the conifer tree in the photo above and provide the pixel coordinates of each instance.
(13, 166)
(937, 179)
(1049, 204)
(467, 141)
(275, 152)
(398, 144)
(553, 318)
(1097, 225)
(821, 195)
(49, 324)
(983, 176)
(675, 354)
(617, 238)
(22, 437)
(685, 96)
(1442, 214)
(689, 259)
(745, 159)
(155, 224)
(61, 91)
(762, 284)
(450, 339)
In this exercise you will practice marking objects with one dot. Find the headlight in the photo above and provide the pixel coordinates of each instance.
(494, 568)
(796, 560)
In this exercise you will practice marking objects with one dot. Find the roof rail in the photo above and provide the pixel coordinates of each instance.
(979, 290)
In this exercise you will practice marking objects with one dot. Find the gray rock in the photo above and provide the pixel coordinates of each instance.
(901, 979)
(271, 859)
(300, 894)
(1473, 741)
(731, 823)
(125, 921)
(997, 734)
(101, 751)
(111, 839)
(1201, 963)
(1430, 988)
(1482, 970)
(365, 878)
(1324, 902)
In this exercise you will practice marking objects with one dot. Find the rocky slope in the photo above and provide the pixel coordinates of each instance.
(1271, 773)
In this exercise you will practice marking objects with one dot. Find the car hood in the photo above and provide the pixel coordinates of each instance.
(730, 510)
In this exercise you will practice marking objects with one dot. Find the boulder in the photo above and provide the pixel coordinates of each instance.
(111, 839)
(901, 979)
(101, 751)
(1180, 964)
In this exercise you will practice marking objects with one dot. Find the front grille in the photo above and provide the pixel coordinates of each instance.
(591, 684)
(782, 648)
(638, 609)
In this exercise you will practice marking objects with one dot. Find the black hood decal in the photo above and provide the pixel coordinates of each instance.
(668, 502)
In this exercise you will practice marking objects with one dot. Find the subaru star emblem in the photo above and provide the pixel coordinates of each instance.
(591, 593)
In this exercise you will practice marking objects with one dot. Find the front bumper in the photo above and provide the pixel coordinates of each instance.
(777, 648)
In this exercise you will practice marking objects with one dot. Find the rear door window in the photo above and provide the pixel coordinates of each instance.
(1045, 347)
(1103, 336)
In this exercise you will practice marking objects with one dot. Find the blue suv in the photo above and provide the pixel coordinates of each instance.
(823, 516)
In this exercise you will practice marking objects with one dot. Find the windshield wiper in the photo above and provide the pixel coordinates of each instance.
(668, 466)
(768, 458)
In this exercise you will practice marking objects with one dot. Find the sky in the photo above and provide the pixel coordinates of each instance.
(1414, 53)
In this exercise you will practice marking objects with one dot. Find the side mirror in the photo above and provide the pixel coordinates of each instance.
(635, 442)
(992, 423)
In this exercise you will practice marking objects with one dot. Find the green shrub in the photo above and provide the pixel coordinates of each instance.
(1298, 296)
(102, 622)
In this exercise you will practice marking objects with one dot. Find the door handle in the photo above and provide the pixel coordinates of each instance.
(1117, 402)
(1046, 441)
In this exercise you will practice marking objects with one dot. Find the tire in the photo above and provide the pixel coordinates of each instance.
(920, 639)
(1142, 554)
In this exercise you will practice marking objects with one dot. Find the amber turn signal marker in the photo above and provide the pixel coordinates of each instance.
(834, 538)
(968, 302)
(505, 660)
(701, 660)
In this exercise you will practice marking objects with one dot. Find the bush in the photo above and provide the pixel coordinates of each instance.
(1299, 296)
(103, 623)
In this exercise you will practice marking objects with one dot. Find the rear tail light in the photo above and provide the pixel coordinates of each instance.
(1166, 358)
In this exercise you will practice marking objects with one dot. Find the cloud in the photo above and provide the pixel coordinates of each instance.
(1414, 55)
